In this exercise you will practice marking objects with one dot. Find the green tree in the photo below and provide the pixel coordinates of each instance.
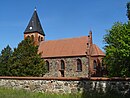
(118, 49)
(4, 57)
(26, 61)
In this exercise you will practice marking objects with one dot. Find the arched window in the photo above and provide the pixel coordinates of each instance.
(32, 37)
(39, 39)
(62, 65)
(79, 65)
(94, 64)
(47, 65)
(28, 37)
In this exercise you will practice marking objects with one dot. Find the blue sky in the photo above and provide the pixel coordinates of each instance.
(60, 18)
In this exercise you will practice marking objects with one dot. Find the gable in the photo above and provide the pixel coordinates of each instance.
(96, 51)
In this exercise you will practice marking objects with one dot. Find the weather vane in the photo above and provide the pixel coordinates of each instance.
(35, 8)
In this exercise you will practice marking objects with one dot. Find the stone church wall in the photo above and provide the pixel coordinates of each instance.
(70, 67)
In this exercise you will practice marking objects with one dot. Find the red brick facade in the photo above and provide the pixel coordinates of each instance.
(36, 37)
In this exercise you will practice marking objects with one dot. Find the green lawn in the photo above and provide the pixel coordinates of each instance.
(11, 93)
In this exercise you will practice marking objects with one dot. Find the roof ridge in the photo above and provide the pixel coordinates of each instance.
(66, 38)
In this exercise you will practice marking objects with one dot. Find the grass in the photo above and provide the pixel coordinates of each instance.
(13, 93)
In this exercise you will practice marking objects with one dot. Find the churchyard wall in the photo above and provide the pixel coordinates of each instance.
(67, 85)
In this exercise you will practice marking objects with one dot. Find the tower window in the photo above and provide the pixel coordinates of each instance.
(32, 37)
(28, 36)
(39, 39)
(79, 65)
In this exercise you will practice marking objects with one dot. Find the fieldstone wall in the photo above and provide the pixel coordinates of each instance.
(70, 67)
(67, 85)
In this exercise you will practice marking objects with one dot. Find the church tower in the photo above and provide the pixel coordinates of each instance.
(34, 29)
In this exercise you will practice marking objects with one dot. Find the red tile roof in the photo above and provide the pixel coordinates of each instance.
(96, 51)
(66, 47)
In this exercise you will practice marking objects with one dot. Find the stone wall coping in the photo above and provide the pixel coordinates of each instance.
(67, 78)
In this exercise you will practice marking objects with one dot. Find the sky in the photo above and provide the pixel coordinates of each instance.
(60, 18)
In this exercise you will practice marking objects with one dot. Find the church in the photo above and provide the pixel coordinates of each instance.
(69, 57)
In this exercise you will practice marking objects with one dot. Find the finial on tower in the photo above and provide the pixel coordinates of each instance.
(35, 8)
